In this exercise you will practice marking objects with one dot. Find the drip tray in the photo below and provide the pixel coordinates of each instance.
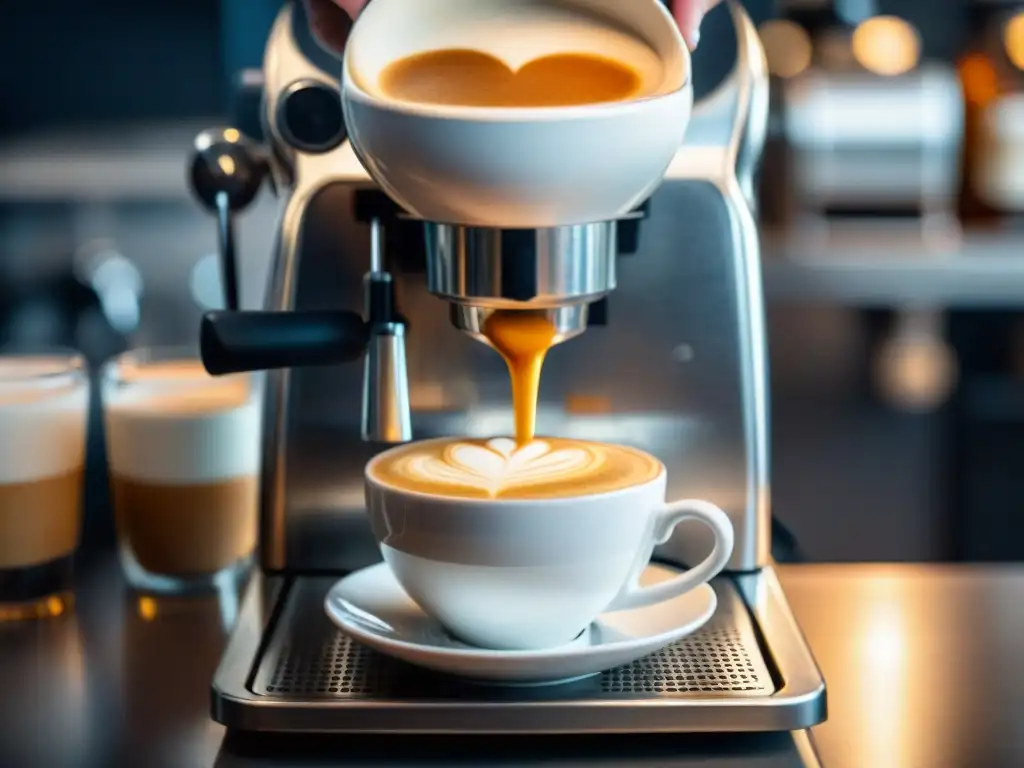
(309, 657)
(310, 677)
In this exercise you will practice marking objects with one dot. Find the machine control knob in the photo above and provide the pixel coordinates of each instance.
(225, 162)
(310, 118)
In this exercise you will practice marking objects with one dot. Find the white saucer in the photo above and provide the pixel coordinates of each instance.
(371, 607)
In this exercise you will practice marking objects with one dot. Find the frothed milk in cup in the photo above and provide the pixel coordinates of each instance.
(42, 453)
(184, 455)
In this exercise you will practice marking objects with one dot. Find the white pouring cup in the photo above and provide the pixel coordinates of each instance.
(517, 167)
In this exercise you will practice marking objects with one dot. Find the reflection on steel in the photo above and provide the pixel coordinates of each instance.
(521, 268)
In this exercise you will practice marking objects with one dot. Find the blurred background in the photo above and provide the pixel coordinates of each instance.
(891, 200)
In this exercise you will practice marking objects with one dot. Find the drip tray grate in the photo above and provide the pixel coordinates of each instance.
(309, 658)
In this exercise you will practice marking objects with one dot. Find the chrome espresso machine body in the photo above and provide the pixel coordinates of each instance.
(665, 350)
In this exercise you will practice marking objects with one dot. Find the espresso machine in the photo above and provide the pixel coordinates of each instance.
(368, 339)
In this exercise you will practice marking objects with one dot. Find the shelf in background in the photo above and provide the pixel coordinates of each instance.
(100, 164)
(878, 265)
(872, 263)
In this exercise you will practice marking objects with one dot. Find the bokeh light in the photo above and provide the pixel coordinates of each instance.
(886, 45)
(1013, 40)
(787, 47)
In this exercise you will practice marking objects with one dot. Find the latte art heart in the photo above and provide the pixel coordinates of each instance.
(499, 465)
(498, 468)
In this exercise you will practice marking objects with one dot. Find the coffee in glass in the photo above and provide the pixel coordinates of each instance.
(184, 456)
(44, 400)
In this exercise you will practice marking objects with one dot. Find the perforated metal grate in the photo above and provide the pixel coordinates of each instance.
(714, 660)
(308, 657)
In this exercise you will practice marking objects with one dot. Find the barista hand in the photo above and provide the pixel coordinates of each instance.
(323, 15)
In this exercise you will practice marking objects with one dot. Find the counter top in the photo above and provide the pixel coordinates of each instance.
(923, 665)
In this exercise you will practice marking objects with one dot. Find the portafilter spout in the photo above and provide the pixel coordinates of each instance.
(559, 271)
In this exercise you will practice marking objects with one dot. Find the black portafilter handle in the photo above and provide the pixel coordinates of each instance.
(242, 342)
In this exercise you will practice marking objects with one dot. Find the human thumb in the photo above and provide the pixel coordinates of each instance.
(689, 14)
(352, 7)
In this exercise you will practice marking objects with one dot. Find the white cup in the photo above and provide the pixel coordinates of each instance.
(533, 574)
(515, 167)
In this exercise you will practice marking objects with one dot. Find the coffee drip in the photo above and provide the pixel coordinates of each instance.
(523, 339)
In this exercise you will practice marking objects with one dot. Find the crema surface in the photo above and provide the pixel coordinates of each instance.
(475, 79)
(519, 54)
(546, 468)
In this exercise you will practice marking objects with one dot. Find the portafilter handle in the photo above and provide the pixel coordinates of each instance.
(242, 342)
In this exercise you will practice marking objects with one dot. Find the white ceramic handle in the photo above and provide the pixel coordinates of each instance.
(665, 521)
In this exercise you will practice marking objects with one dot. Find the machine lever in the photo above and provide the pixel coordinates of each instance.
(236, 342)
(226, 174)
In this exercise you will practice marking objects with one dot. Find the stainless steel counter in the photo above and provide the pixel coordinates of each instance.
(923, 665)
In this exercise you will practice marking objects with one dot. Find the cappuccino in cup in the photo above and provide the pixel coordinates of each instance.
(44, 402)
(521, 547)
(184, 455)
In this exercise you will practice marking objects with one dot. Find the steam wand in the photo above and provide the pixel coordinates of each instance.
(237, 342)
(385, 414)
